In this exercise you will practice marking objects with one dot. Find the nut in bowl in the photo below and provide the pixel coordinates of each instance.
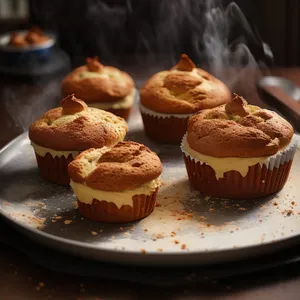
(26, 44)
(117, 184)
(238, 151)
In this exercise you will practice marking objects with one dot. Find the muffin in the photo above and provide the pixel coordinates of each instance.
(116, 184)
(102, 87)
(169, 98)
(238, 151)
(63, 132)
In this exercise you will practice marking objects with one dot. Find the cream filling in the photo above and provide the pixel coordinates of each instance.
(42, 151)
(86, 194)
(241, 165)
(127, 102)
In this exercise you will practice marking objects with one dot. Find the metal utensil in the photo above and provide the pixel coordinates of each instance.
(283, 95)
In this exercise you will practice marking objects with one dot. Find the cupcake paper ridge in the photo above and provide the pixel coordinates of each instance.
(271, 162)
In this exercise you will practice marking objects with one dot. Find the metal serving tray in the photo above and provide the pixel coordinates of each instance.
(184, 229)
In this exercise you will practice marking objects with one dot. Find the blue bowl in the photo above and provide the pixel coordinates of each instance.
(28, 53)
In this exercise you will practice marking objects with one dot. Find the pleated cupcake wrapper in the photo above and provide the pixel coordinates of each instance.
(168, 130)
(261, 180)
(103, 211)
(153, 113)
(54, 169)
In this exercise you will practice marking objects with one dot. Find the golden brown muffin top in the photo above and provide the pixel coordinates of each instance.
(74, 126)
(95, 82)
(125, 166)
(238, 130)
(184, 89)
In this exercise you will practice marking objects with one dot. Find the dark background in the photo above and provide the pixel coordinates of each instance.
(124, 30)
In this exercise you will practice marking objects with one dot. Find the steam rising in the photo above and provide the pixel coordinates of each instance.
(23, 114)
(151, 35)
(226, 38)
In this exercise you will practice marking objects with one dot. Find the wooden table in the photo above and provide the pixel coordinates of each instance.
(23, 101)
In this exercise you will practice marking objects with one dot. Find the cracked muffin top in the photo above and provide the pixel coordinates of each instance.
(125, 166)
(238, 129)
(75, 126)
(184, 89)
(95, 82)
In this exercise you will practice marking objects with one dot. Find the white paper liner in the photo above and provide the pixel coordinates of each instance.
(42, 151)
(274, 161)
(152, 113)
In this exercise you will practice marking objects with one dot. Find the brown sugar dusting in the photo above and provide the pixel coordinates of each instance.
(28, 218)
(182, 214)
(287, 212)
(159, 236)
(183, 246)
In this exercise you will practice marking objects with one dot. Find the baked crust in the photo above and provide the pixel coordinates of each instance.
(114, 85)
(125, 166)
(238, 130)
(183, 89)
(77, 127)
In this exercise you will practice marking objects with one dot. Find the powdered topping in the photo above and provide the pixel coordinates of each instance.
(72, 105)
